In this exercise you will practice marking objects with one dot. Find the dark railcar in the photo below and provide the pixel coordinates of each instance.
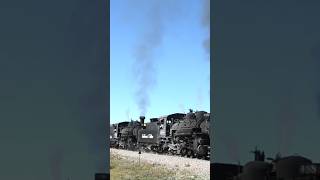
(101, 176)
(222, 171)
(280, 168)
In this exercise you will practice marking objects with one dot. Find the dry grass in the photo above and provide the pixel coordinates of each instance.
(122, 168)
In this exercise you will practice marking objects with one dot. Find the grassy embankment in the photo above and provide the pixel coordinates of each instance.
(124, 169)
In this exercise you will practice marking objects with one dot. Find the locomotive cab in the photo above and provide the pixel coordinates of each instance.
(162, 123)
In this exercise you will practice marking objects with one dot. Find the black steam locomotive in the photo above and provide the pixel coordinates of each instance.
(176, 134)
(279, 168)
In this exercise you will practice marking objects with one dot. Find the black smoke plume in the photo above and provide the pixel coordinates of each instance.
(206, 25)
(145, 74)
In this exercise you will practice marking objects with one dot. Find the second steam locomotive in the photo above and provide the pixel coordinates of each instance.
(176, 134)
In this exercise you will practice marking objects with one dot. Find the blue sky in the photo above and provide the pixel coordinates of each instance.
(180, 63)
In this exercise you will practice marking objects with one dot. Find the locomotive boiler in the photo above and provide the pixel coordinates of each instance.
(190, 136)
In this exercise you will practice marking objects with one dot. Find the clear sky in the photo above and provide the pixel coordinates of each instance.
(179, 69)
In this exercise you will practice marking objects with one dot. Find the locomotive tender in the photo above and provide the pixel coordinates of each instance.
(176, 134)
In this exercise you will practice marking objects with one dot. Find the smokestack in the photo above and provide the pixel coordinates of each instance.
(101, 176)
(142, 119)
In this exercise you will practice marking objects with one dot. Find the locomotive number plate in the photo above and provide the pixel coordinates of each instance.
(145, 136)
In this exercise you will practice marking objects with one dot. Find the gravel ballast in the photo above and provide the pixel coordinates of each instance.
(198, 167)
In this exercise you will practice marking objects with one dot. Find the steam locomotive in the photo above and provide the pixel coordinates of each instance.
(279, 168)
(176, 134)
